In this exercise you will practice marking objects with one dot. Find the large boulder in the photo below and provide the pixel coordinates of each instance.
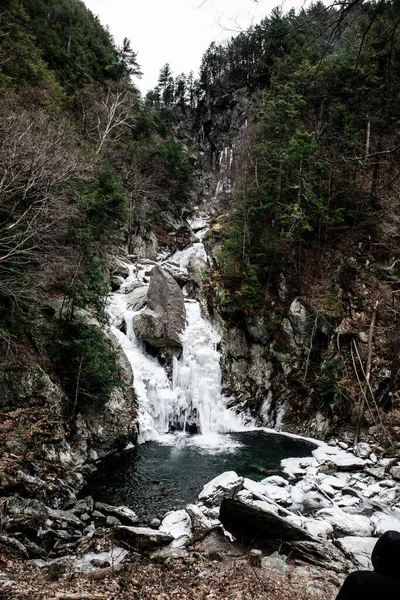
(247, 519)
(164, 319)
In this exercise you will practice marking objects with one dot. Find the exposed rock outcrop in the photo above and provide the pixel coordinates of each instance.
(163, 321)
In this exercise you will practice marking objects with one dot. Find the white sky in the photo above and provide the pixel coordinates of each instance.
(177, 31)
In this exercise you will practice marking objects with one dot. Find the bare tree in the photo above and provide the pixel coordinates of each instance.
(39, 161)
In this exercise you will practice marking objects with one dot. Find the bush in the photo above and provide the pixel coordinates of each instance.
(86, 364)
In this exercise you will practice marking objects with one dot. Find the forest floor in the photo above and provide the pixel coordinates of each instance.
(192, 578)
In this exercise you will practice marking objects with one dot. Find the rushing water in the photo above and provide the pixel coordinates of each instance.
(166, 471)
(192, 399)
(159, 476)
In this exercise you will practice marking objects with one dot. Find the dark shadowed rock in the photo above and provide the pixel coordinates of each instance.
(143, 538)
(165, 316)
(319, 554)
(247, 520)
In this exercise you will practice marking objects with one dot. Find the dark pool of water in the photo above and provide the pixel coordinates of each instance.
(156, 477)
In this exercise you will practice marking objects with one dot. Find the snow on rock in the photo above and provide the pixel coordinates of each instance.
(383, 522)
(199, 516)
(291, 468)
(85, 563)
(267, 491)
(334, 482)
(346, 524)
(223, 486)
(358, 550)
(275, 480)
(178, 525)
(318, 528)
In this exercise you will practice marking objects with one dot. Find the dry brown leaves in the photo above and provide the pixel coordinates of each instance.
(190, 579)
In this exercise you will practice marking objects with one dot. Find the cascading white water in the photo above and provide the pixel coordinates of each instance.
(193, 399)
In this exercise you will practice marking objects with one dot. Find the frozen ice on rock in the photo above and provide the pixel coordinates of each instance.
(388, 496)
(326, 488)
(358, 550)
(225, 485)
(383, 522)
(346, 524)
(177, 524)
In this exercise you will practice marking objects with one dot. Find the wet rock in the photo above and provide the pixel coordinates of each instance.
(247, 519)
(136, 299)
(143, 538)
(225, 485)
(163, 321)
(121, 512)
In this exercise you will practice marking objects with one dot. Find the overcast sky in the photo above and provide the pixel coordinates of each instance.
(177, 31)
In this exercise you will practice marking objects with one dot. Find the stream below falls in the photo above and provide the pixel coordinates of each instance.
(159, 476)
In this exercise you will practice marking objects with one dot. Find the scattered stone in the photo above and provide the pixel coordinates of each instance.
(255, 557)
(377, 472)
(166, 554)
(143, 538)
(121, 512)
(395, 472)
(276, 563)
(362, 450)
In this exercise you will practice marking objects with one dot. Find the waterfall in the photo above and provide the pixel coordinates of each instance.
(192, 400)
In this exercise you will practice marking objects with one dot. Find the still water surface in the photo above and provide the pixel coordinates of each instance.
(156, 477)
